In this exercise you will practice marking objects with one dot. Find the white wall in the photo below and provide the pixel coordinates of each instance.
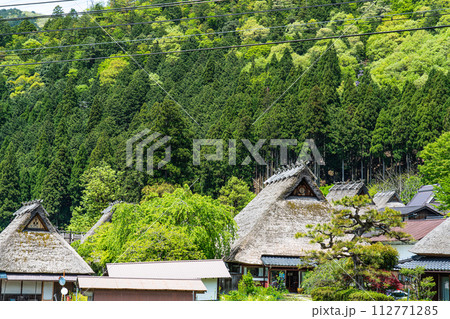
(403, 251)
(211, 293)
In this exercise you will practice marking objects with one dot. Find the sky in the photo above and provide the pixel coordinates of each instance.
(78, 5)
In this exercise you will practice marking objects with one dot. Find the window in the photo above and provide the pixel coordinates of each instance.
(445, 291)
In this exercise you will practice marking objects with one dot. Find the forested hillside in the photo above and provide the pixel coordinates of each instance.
(370, 102)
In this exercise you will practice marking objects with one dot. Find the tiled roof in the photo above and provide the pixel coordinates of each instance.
(417, 228)
(281, 261)
(424, 196)
(429, 263)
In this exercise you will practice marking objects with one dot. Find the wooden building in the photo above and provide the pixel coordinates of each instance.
(433, 253)
(266, 245)
(387, 199)
(349, 189)
(105, 217)
(33, 257)
(209, 272)
(140, 289)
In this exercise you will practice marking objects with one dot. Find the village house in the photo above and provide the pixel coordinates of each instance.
(433, 253)
(106, 216)
(421, 206)
(266, 245)
(387, 199)
(34, 257)
(346, 189)
(182, 280)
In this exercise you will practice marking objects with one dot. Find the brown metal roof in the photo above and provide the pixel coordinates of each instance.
(90, 282)
(416, 228)
(183, 269)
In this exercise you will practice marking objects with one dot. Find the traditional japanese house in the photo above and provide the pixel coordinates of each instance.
(422, 206)
(416, 228)
(387, 199)
(209, 272)
(433, 253)
(33, 257)
(266, 245)
(349, 189)
(140, 289)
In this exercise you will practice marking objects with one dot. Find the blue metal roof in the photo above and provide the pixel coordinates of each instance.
(3, 275)
(281, 261)
(429, 263)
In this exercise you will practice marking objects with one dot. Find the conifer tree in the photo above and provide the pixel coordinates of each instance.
(9, 186)
(55, 188)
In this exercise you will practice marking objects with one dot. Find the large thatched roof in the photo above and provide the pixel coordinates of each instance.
(30, 244)
(387, 199)
(349, 189)
(268, 224)
(436, 243)
(106, 217)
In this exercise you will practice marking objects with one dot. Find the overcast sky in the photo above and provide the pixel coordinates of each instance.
(78, 5)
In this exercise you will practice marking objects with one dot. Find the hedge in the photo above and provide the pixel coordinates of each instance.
(351, 294)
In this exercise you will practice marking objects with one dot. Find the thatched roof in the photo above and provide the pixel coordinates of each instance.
(30, 244)
(349, 189)
(436, 243)
(387, 199)
(106, 217)
(268, 224)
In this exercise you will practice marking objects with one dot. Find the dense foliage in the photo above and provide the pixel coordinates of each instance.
(172, 225)
(370, 103)
(350, 294)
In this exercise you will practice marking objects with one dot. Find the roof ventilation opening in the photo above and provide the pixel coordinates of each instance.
(36, 223)
(302, 190)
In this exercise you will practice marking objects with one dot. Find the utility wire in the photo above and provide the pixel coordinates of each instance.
(230, 31)
(188, 19)
(150, 6)
(32, 3)
(231, 46)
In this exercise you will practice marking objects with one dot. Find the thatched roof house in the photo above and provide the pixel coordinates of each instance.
(32, 250)
(433, 254)
(349, 189)
(387, 199)
(268, 224)
(106, 217)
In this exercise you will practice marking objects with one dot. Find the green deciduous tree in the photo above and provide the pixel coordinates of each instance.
(236, 194)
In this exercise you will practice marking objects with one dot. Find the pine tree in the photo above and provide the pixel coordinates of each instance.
(79, 165)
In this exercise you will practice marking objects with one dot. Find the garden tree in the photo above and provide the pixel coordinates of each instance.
(420, 288)
(235, 193)
(100, 188)
(249, 291)
(9, 186)
(350, 230)
(55, 188)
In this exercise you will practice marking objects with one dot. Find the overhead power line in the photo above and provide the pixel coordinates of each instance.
(33, 3)
(225, 32)
(121, 9)
(230, 46)
(187, 19)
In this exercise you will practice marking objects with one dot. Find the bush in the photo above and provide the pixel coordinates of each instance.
(351, 294)
(369, 296)
(323, 294)
(248, 291)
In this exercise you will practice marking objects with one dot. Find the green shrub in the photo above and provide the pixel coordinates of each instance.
(350, 294)
(323, 294)
(369, 296)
